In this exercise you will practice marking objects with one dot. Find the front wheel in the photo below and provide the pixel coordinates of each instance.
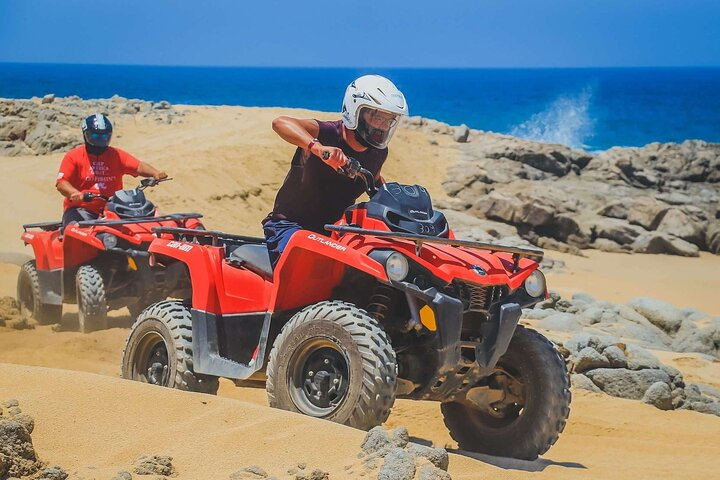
(28, 297)
(159, 350)
(333, 361)
(92, 303)
(531, 402)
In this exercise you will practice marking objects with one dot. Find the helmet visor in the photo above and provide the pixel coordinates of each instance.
(376, 127)
(98, 139)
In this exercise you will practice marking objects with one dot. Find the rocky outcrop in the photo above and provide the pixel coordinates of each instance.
(661, 198)
(52, 124)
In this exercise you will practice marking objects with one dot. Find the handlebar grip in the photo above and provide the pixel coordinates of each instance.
(88, 196)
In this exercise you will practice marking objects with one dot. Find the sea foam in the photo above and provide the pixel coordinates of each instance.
(566, 120)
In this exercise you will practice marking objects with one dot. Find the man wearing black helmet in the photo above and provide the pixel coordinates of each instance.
(98, 168)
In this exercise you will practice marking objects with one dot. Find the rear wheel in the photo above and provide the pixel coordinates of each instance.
(333, 361)
(28, 297)
(527, 402)
(159, 350)
(92, 304)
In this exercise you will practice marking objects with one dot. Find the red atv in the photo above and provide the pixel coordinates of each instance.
(100, 264)
(389, 306)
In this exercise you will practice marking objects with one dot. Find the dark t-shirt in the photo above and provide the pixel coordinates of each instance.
(313, 194)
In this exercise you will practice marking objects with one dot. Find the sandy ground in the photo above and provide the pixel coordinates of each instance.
(227, 164)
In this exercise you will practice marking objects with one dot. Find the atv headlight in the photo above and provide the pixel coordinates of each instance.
(397, 267)
(535, 284)
(109, 240)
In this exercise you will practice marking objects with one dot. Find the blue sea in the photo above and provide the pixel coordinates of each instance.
(590, 108)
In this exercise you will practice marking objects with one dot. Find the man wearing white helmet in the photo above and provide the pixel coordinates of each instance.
(315, 192)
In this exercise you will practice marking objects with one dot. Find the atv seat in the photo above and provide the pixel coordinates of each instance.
(254, 257)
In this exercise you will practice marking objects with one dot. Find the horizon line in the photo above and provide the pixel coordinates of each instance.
(576, 67)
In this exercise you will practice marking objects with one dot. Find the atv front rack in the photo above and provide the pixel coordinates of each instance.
(163, 218)
(215, 236)
(517, 252)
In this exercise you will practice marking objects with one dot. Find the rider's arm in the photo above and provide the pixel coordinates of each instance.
(147, 170)
(301, 132)
(65, 174)
(67, 190)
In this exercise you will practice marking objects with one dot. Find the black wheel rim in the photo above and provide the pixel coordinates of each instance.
(150, 362)
(26, 297)
(319, 377)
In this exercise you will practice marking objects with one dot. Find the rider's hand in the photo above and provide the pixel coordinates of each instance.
(161, 175)
(76, 197)
(333, 156)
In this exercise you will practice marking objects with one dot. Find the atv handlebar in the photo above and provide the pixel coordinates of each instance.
(90, 196)
(353, 169)
(151, 182)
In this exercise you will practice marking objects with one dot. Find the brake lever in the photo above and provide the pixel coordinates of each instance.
(351, 169)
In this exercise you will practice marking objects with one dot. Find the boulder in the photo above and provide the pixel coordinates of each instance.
(712, 237)
(658, 242)
(398, 465)
(624, 383)
(461, 133)
(678, 223)
(562, 322)
(619, 231)
(437, 456)
(639, 359)
(661, 314)
(154, 465)
(49, 98)
(615, 210)
(659, 395)
(578, 380)
(646, 212)
(588, 359)
(616, 357)
(701, 336)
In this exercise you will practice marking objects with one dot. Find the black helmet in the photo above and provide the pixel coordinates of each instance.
(97, 130)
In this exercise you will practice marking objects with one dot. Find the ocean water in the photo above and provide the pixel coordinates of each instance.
(589, 108)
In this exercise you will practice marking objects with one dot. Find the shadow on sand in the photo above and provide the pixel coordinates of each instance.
(515, 464)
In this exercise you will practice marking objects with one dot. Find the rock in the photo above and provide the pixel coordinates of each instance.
(619, 231)
(49, 98)
(10, 403)
(400, 437)
(712, 237)
(606, 245)
(376, 439)
(154, 465)
(122, 475)
(563, 322)
(661, 314)
(646, 212)
(659, 395)
(25, 420)
(14, 128)
(658, 242)
(701, 336)
(710, 408)
(588, 359)
(640, 359)
(316, 474)
(398, 465)
(16, 450)
(614, 210)
(578, 380)
(53, 473)
(430, 472)
(679, 224)
(537, 314)
(582, 298)
(461, 133)
(624, 383)
(437, 456)
(616, 357)
(249, 473)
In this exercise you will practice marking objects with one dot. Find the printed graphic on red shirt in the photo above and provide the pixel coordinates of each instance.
(100, 174)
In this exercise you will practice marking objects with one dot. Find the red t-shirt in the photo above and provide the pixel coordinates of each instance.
(96, 173)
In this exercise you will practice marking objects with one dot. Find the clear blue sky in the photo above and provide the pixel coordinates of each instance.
(336, 33)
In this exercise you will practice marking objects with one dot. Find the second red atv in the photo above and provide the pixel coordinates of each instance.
(389, 306)
(100, 264)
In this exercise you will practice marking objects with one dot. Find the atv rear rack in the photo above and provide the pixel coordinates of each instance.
(162, 218)
(46, 226)
(518, 252)
(213, 234)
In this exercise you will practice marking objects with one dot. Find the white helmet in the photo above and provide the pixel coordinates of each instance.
(371, 107)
